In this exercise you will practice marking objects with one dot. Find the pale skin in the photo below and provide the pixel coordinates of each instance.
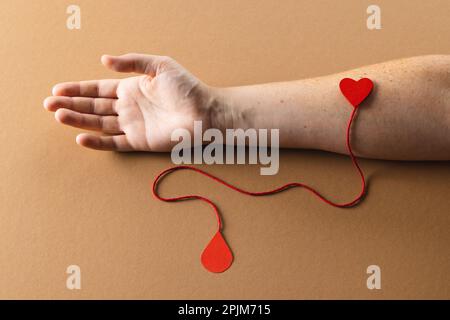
(407, 116)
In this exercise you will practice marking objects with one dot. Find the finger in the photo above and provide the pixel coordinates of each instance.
(140, 63)
(99, 106)
(106, 143)
(106, 88)
(107, 124)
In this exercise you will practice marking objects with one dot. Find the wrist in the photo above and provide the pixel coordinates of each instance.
(224, 113)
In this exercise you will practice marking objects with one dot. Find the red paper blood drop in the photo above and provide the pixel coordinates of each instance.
(356, 91)
(217, 256)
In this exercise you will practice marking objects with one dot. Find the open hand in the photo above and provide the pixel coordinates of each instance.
(137, 113)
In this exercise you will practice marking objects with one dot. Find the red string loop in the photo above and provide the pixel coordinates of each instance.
(263, 193)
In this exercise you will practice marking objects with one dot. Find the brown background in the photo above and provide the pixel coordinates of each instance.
(63, 205)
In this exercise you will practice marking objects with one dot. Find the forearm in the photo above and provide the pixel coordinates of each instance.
(407, 116)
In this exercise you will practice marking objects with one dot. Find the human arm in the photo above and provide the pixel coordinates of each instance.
(407, 116)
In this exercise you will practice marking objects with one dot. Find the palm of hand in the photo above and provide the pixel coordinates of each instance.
(150, 109)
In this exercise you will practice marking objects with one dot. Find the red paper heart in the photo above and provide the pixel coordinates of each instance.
(217, 256)
(356, 91)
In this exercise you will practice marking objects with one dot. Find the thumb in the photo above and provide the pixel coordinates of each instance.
(133, 62)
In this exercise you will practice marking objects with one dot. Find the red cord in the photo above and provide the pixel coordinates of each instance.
(263, 193)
